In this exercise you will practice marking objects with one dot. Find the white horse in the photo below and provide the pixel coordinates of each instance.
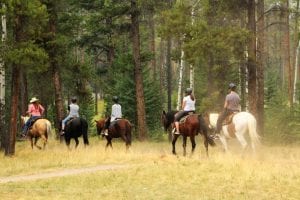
(242, 123)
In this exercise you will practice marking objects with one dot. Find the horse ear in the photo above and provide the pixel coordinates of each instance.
(164, 112)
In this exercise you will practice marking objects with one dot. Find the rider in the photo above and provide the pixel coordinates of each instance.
(231, 105)
(73, 109)
(116, 113)
(35, 110)
(188, 106)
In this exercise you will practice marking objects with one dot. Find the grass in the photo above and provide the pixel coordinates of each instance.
(153, 173)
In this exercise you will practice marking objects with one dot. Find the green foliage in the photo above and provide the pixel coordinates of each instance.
(122, 85)
(28, 54)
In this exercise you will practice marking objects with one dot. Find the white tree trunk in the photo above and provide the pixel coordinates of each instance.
(191, 66)
(192, 77)
(2, 67)
(180, 80)
(296, 72)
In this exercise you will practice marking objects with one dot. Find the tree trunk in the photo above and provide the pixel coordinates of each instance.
(181, 68)
(10, 144)
(15, 89)
(252, 97)
(2, 84)
(296, 72)
(138, 75)
(260, 65)
(296, 54)
(152, 42)
(55, 69)
(58, 95)
(111, 48)
(286, 49)
(161, 66)
(169, 73)
(23, 92)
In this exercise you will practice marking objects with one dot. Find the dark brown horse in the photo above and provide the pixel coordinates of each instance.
(74, 129)
(40, 129)
(119, 128)
(190, 127)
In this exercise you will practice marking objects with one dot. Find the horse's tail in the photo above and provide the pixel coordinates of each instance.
(128, 132)
(203, 128)
(48, 127)
(255, 138)
(84, 126)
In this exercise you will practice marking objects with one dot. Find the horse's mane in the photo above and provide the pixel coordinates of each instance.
(171, 114)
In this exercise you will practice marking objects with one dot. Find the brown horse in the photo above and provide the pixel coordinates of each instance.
(119, 128)
(40, 129)
(190, 127)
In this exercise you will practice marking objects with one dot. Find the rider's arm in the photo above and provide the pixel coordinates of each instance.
(183, 104)
(29, 111)
(226, 103)
(42, 109)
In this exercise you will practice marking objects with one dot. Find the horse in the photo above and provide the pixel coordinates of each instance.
(41, 128)
(119, 128)
(241, 123)
(192, 125)
(74, 128)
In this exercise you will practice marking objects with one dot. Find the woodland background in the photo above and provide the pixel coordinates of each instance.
(147, 52)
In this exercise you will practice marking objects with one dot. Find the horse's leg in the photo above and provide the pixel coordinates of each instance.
(123, 136)
(31, 142)
(224, 142)
(175, 136)
(44, 140)
(240, 137)
(35, 141)
(184, 145)
(192, 138)
(76, 142)
(206, 144)
(108, 139)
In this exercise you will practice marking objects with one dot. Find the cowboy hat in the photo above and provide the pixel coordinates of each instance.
(33, 99)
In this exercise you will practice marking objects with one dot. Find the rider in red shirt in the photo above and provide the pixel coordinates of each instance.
(35, 110)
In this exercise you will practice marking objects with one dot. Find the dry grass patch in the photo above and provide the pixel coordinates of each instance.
(154, 173)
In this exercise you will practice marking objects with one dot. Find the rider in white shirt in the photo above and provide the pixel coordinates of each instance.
(188, 106)
(116, 113)
(116, 110)
(73, 109)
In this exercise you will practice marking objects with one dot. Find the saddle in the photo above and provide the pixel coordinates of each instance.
(33, 121)
(114, 122)
(182, 120)
(70, 119)
(228, 119)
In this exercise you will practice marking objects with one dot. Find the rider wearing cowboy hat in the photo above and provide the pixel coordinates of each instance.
(35, 110)
(231, 105)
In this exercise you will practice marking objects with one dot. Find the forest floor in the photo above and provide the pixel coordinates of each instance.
(149, 171)
(59, 173)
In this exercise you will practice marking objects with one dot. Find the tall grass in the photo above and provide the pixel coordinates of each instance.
(153, 173)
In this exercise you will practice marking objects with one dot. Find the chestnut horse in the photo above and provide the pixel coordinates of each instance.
(190, 127)
(41, 128)
(242, 123)
(119, 128)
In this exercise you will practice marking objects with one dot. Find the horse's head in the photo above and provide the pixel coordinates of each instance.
(100, 125)
(24, 119)
(167, 118)
(211, 119)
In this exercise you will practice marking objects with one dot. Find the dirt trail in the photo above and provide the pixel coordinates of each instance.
(60, 173)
